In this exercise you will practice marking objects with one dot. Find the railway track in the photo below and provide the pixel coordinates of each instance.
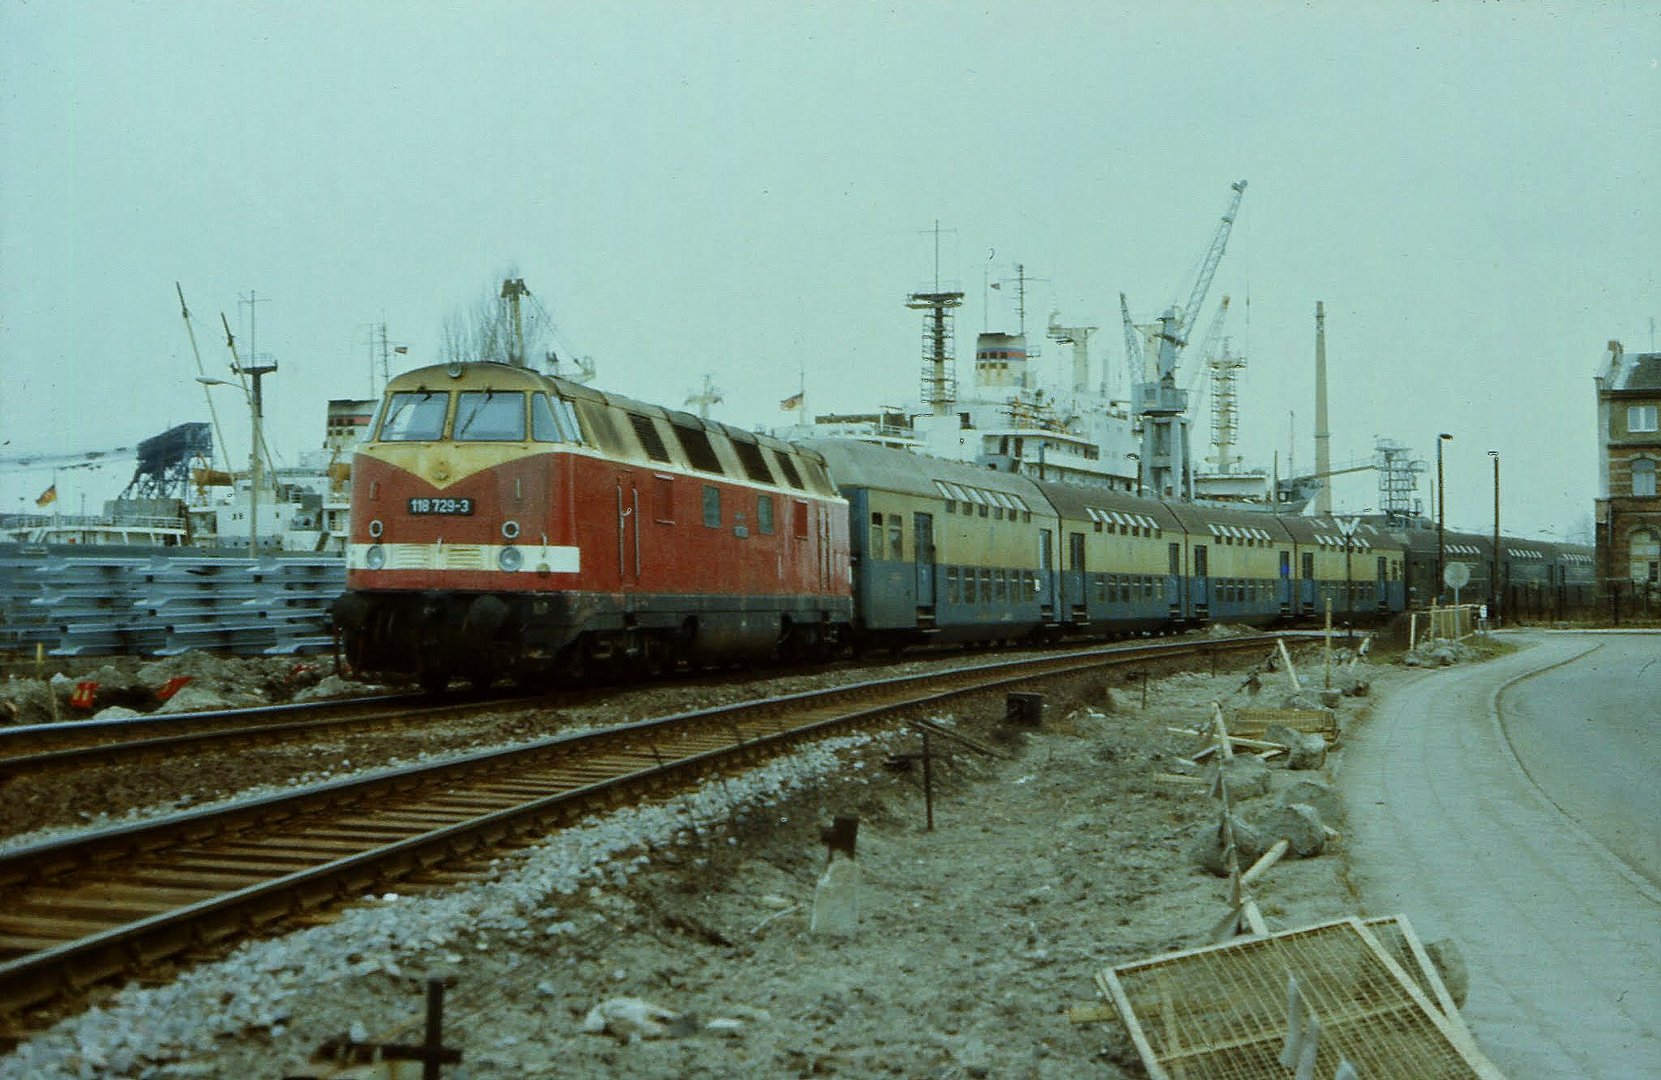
(40, 748)
(104, 904)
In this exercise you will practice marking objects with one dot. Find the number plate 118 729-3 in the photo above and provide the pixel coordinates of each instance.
(441, 506)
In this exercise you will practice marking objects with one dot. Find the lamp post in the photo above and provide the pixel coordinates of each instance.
(1441, 517)
(255, 470)
(1494, 570)
(1134, 456)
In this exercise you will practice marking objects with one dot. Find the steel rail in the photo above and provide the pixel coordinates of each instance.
(42, 747)
(86, 908)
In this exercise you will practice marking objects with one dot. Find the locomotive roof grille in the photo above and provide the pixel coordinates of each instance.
(698, 449)
(755, 466)
(650, 440)
(788, 467)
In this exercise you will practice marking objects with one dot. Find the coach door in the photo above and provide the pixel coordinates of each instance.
(628, 533)
(1046, 574)
(1202, 581)
(1306, 583)
(1173, 580)
(1076, 578)
(1285, 583)
(922, 528)
(1381, 591)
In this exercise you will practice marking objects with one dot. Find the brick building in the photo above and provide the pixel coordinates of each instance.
(1629, 454)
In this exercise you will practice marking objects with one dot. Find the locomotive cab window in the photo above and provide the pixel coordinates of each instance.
(553, 420)
(712, 506)
(414, 417)
(489, 416)
(764, 513)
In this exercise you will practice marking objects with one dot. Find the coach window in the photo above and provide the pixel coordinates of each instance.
(489, 416)
(712, 506)
(896, 538)
(417, 417)
(764, 514)
(875, 546)
(953, 592)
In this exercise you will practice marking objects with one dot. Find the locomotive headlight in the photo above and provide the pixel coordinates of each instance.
(375, 557)
(510, 559)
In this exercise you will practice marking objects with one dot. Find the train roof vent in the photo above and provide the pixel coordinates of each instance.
(788, 467)
(650, 440)
(755, 466)
(698, 450)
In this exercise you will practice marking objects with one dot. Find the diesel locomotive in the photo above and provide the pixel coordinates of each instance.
(509, 523)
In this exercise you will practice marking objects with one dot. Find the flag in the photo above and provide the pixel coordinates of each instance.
(997, 285)
(48, 497)
(794, 401)
(400, 349)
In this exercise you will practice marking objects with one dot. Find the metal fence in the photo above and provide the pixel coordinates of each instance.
(158, 602)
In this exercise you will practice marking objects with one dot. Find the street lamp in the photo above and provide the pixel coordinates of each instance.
(1494, 570)
(255, 471)
(1441, 517)
(1134, 456)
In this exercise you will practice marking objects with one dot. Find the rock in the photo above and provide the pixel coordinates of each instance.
(331, 686)
(1206, 849)
(1323, 798)
(1304, 751)
(1331, 699)
(725, 1025)
(1247, 776)
(26, 701)
(1450, 965)
(630, 1019)
(116, 712)
(1298, 824)
(193, 698)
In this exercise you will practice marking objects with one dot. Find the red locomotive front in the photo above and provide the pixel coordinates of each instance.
(509, 523)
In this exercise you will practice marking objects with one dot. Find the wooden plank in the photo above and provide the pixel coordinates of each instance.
(1110, 985)
(1264, 861)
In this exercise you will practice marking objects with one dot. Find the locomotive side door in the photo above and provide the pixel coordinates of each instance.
(628, 534)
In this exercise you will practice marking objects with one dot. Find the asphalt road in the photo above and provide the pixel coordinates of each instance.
(1522, 821)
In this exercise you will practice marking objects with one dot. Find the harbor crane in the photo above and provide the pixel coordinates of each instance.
(1159, 403)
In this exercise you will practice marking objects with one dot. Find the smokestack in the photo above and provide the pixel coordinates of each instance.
(1323, 437)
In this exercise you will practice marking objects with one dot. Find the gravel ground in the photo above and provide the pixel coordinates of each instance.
(973, 938)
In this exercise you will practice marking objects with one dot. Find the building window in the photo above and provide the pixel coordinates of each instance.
(1643, 477)
(1646, 556)
(1641, 417)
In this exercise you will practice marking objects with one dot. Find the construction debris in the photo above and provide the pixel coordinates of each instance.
(1220, 1011)
(1303, 751)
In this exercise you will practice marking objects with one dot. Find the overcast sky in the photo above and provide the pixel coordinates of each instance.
(745, 189)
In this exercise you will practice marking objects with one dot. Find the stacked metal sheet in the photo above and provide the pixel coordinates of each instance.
(158, 602)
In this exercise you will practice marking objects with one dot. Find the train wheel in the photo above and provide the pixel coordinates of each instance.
(434, 680)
